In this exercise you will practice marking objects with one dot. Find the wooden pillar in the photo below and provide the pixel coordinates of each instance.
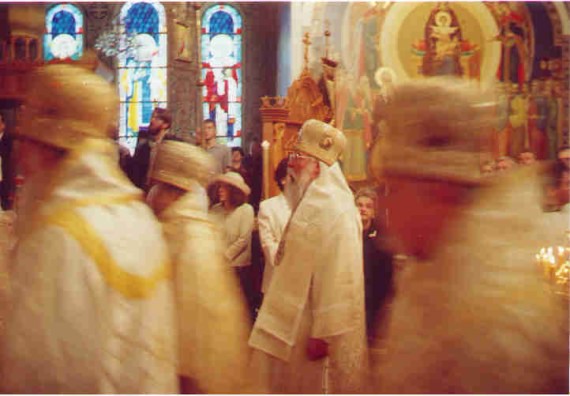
(273, 111)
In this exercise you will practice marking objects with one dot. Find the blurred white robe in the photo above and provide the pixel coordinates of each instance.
(479, 317)
(92, 303)
(317, 291)
(212, 318)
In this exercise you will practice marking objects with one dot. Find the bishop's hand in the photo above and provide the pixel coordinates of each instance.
(317, 348)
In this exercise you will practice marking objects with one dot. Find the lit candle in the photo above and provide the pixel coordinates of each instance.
(265, 146)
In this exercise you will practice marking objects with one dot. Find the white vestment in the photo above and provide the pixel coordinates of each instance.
(212, 318)
(272, 218)
(317, 291)
(92, 303)
(479, 317)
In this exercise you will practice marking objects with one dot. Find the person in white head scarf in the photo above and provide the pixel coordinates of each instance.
(472, 312)
(212, 318)
(309, 336)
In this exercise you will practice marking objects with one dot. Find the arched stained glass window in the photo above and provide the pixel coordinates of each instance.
(142, 68)
(64, 33)
(221, 44)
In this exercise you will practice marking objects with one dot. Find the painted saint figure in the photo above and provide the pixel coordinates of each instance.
(443, 43)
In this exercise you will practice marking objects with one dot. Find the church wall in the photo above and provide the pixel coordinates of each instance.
(262, 23)
(262, 27)
(284, 51)
(370, 37)
(543, 36)
(183, 75)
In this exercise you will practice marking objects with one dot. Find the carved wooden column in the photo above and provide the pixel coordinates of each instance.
(274, 114)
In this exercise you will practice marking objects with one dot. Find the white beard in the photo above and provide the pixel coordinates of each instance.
(296, 186)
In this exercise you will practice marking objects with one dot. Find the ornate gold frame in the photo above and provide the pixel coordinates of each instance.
(183, 41)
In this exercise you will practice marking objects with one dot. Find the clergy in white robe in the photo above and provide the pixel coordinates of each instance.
(212, 318)
(273, 215)
(309, 336)
(473, 312)
(91, 302)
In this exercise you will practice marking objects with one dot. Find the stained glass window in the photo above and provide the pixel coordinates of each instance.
(64, 33)
(221, 42)
(142, 69)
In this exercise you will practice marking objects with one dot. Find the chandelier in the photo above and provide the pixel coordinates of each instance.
(116, 40)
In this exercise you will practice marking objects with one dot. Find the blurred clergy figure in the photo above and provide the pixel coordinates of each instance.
(472, 311)
(92, 304)
(212, 318)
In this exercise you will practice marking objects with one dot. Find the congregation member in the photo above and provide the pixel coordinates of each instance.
(504, 164)
(208, 140)
(472, 312)
(142, 161)
(272, 217)
(237, 161)
(378, 260)
(309, 336)
(526, 158)
(213, 325)
(91, 302)
(236, 218)
(488, 168)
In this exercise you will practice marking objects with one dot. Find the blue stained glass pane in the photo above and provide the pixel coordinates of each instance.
(142, 74)
(233, 142)
(47, 52)
(64, 38)
(237, 47)
(232, 13)
(142, 18)
(141, 89)
(205, 47)
(79, 51)
(221, 22)
(221, 47)
(63, 23)
(64, 11)
(161, 58)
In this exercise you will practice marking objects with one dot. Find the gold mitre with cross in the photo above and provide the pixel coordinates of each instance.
(320, 140)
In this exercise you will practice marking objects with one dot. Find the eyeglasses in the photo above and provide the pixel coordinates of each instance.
(297, 156)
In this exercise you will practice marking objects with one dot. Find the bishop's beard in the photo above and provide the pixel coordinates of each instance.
(296, 186)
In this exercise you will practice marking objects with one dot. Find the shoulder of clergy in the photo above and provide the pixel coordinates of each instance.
(315, 217)
(276, 203)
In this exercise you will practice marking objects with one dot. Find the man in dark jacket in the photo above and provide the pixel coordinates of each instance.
(141, 163)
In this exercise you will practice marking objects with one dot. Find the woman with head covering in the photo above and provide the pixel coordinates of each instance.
(235, 216)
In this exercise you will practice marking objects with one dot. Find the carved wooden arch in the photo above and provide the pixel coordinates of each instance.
(555, 22)
(306, 100)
